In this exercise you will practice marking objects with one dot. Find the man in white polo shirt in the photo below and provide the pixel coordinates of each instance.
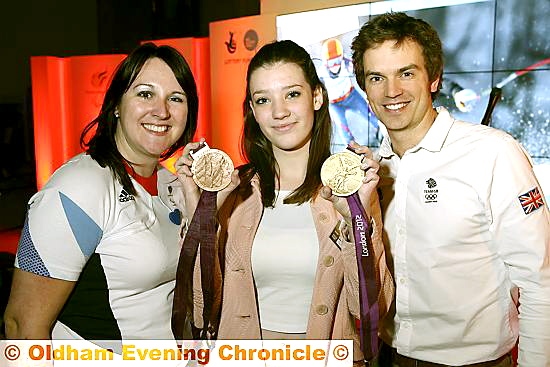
(465, 218)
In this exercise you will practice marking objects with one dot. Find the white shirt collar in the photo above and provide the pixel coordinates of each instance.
(432, 141)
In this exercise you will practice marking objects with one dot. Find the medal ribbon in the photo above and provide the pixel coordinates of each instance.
(369, 283)
(201, 232)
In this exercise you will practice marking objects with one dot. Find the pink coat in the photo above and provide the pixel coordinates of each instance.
(335, 301)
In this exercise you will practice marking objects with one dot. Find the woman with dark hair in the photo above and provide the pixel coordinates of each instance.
(287, 258)
(98, 252)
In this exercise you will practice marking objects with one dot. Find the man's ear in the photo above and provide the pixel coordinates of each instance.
(434, 84)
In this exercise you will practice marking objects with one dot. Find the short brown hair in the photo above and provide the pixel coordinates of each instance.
(399, 26)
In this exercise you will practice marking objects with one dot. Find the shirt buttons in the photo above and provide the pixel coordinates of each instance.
(328, 261)
(322, 310)
(402, 280)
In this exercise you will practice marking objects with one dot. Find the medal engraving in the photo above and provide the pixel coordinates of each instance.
(342, 173)
(211, 169)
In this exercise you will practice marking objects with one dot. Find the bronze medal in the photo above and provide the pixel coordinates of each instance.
(211, 168)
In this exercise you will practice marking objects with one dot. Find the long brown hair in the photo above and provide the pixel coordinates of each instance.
(257, 149)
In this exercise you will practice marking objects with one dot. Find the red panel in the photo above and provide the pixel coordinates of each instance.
(47, 74)
(67, 94)
(9, 239)
(88, 78)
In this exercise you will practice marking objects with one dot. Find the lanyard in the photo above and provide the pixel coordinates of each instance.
(201, 233)
(369, 283)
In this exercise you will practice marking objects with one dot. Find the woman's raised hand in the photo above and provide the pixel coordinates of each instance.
(191, 189)
(367, 189)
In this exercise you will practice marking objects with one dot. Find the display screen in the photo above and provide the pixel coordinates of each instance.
(488, 44)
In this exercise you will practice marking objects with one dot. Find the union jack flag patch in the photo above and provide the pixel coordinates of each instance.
(531, 200)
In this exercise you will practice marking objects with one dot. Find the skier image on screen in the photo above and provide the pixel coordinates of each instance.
(349, 109)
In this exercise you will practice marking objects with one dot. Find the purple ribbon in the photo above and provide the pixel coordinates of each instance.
(369, 284)
(201, 233)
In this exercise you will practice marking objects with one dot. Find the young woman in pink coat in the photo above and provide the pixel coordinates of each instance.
(287, 266)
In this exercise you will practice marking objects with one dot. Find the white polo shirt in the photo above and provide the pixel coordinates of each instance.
(463, 232)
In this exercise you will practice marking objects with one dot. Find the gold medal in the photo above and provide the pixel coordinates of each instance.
(211, 168)
(342, 173)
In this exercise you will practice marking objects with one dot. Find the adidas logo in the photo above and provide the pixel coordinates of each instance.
(124, 196)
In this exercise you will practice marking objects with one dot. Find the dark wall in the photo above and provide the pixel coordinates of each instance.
(70, 28)
(61, 28)
(126, 22)
(34, 28)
